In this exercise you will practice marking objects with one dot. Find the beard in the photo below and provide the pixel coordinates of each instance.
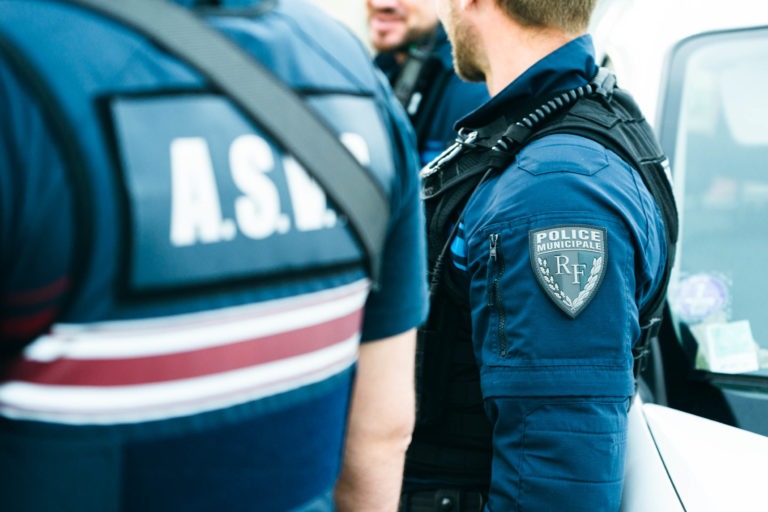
(464, 43)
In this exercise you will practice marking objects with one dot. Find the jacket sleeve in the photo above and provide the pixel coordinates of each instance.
(558, 260)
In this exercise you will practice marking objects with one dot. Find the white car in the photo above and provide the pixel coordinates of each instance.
(678, 462)
(699, 71)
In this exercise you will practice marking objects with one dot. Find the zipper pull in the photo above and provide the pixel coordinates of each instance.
(494, 243)
(493, 277)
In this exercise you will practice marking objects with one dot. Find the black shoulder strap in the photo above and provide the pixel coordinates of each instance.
(270, 103)
(625, 132)
(420, 83)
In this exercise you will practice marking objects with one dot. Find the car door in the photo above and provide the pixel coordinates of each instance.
(712, 357)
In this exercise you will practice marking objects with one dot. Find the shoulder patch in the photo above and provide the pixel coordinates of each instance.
(569, 263)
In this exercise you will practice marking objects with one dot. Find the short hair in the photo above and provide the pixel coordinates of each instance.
(571, 16)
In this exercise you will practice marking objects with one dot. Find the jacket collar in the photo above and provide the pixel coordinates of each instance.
(570, 66)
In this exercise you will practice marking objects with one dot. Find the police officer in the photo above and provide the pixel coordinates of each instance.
(182, 307)
(548, 251)
(414, 52)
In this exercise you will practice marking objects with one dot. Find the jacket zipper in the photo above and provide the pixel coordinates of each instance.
(495, 273)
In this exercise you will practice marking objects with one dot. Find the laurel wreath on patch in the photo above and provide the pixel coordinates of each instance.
(597, 265)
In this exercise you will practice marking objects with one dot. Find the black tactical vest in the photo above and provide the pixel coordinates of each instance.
(452, 440)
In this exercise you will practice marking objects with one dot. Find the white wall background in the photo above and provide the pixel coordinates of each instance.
(350, 12)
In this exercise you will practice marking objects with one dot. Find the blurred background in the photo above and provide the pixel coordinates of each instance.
(351, 12)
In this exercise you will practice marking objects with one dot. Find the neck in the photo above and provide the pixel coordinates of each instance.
(512, 49)
(424, 42)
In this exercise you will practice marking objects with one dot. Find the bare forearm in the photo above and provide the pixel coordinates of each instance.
(380, 425)
(371, 479)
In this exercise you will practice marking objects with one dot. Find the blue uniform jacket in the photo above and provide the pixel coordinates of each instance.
(558, 253)
(204, 360)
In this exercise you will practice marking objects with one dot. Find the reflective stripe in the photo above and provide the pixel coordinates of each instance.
(215, 360)
(196, 331)
(183, 365)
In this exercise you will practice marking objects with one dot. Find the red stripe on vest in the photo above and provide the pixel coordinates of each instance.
(184, 365)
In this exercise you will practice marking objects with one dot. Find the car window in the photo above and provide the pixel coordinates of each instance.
(715, 128)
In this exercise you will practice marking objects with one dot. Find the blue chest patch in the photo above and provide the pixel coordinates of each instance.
(569, 262)
(210, 199)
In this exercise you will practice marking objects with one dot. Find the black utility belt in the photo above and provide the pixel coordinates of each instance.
(442, 500)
